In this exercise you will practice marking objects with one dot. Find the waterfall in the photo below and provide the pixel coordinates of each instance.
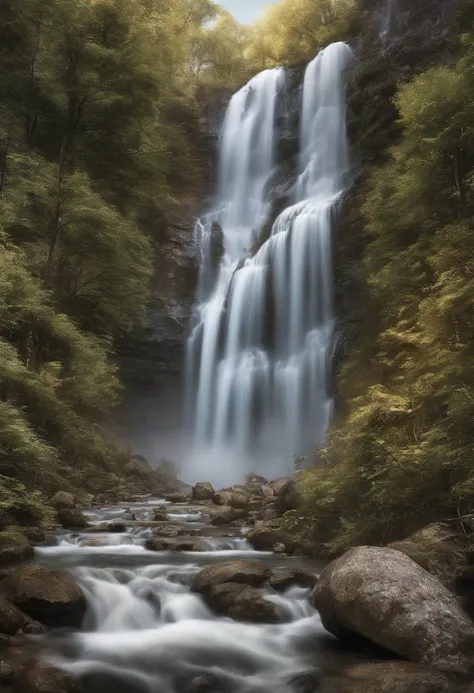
(389, 19)
(257, 362)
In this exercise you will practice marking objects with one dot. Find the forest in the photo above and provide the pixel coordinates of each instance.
(100, 104)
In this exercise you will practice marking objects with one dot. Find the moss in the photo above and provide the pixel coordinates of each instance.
(26, 508)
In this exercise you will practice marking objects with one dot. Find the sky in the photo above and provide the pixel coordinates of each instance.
(244, 11)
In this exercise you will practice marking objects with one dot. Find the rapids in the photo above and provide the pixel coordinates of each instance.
(258, 357)
(145, 631)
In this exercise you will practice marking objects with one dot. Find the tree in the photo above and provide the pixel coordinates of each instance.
(402, 456)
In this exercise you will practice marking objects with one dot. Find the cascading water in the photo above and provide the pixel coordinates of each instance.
(389, 19)
(147, 631)
(258, 355)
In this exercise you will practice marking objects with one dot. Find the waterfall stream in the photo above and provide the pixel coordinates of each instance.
(147, 631)
(258, 359)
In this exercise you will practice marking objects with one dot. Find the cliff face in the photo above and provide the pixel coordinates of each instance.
(397, 39)
(151, 359)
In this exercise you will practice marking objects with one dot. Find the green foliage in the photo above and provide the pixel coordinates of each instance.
(294, 31)
(22, 504)
(404, 454)
(95, 133)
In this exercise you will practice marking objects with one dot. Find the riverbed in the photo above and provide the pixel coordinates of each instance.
(145, 630)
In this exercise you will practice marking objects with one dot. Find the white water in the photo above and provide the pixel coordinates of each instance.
(259, 355)
(145, 631)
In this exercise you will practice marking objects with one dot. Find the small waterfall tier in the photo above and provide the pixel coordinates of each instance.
(258, 355)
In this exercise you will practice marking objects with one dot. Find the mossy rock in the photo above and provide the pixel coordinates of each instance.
(14, 547)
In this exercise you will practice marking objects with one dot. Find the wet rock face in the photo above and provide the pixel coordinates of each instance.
(384, 596)
(251, 573)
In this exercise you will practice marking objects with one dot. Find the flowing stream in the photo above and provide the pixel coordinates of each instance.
(259, 354)
(145, 631)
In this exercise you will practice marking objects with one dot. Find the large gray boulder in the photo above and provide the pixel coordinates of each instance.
(383, 595)
(203, 491)
(14, 547)
(438, 547)
(243, 572)
(241, 602)
(222, 515)
(50, 597)
(283, 486)
(239, 499)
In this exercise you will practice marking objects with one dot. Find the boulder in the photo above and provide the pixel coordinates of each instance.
(62, 500)
(267, 491)
(243, 572)
(203, 491)
(282, 580)
(305, 682)
(438, 548)
(71, 518)
(14, 547)
(255, 504)
(158, 544)
(282, 487)
(394, 677)
(117, 527)
(138, 466)
(383, 595)
(50, 597)
(222, 497)
(239, 499)
(44, 678)
(241, 602)
(267, 539)
(34, 534)
(223, 515)
(160, 514)
(167, 530)
(253, 487)
(11, 618)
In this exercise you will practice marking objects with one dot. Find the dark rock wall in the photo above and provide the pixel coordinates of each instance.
(151, 359)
